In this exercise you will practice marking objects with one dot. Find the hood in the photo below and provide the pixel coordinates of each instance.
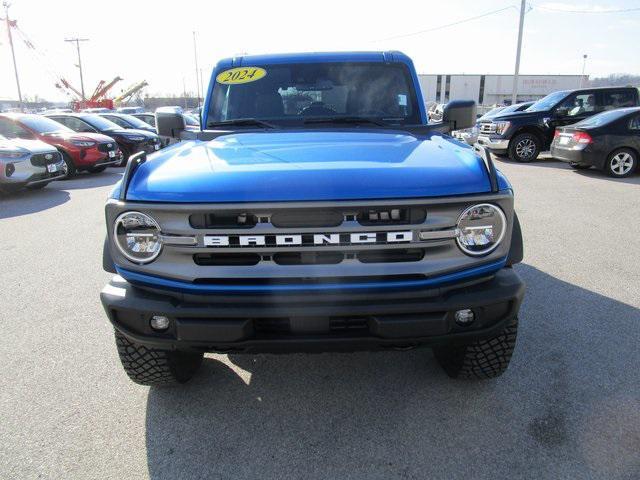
(523, 115)
(28, 146)
(310, 165)
(133, 131)
(67, 136)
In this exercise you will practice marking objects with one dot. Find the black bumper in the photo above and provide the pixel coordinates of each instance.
(581, 157)
(313, 322)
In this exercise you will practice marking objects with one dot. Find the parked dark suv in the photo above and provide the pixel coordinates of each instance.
(523, 135)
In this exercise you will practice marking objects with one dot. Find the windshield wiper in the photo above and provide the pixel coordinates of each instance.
(352, 120)
(242, 122)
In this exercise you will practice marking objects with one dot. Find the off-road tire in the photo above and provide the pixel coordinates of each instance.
(155, 367)
(481, 359)
(531, 140)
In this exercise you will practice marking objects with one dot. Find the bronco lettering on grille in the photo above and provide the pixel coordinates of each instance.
(307, 239)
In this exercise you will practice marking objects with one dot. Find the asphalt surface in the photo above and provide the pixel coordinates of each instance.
(569, 406)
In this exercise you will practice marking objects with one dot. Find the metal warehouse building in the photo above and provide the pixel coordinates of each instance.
(494, 89)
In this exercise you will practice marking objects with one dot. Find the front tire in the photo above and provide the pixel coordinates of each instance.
(480, 359)
(69, 165)
(524, 148)
(156, 367)
(621, 163)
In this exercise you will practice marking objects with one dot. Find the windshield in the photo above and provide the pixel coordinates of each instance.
(298, 92)
(493, 112)
(547, 102)
(133, 121)
(602, 118)
(43, 125)
(100, 123)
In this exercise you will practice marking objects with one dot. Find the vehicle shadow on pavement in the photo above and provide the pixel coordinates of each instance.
(88, 180)
(24, 202)
(569, 407)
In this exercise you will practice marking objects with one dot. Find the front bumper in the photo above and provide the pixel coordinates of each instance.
(315, 322)
(494, 143)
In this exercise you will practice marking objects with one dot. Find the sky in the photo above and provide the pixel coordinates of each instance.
(153, 40)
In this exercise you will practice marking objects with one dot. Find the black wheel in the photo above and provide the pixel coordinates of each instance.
(69, 166)
(155, 367)
(125, 154)
(579, 166)
(524, 148)
(97, 169)
(621, 163)
(37, 186)
(486, 358)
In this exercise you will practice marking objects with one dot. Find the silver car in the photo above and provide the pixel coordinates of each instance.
(28, 163)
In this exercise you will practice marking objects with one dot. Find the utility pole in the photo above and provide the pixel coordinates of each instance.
(514, 93)
(584, 65)
(77, 42)
(195, 56)
(6, 6)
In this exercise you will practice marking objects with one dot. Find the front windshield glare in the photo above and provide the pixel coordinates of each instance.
(547, 103)
(43, 125)
(135, 122)
(100, 123)
(293, 93)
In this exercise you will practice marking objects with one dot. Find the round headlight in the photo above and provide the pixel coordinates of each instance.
(481, 228)
(137, 236)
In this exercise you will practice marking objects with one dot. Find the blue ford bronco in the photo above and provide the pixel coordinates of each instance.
(315, 210)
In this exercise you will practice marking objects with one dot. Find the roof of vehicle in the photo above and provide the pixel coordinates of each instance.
(312, 57)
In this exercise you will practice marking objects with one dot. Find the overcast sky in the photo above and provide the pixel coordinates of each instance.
(152, 40)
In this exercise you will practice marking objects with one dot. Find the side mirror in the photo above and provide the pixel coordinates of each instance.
(169, 123)
(562, 112)
(459, 114)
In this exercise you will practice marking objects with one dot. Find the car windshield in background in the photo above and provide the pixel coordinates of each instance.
(100, 123)
(602, 118)
(135, 122)
(295, 93)
(43, 125)
(547, 102)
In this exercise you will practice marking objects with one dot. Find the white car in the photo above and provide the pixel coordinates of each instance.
(28, 163)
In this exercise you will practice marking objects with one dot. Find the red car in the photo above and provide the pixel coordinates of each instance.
(92, 152)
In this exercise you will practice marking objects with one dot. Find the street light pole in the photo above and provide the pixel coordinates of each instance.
(514, 93)
(195, 56)
(77, 42)
(6, 6)
(584, 65)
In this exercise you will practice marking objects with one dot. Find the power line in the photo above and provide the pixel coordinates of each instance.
(433, 29)
(562, 10)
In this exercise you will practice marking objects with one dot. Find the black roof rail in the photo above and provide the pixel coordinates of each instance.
(134, 162)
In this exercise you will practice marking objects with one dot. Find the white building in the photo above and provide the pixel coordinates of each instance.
(494, 89)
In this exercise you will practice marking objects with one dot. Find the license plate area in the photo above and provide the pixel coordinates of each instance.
(52, 168)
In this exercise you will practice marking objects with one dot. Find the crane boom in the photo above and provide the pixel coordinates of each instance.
(131, 91)
(102, 89)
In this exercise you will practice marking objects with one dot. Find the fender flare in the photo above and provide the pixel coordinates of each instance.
(516, 250)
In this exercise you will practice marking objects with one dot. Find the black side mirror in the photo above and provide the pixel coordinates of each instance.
(562, 112)
(459, 114)
(169, 123)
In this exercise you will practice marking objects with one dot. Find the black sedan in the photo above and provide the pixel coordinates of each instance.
(609, 141)
(130, 141)
(127, 121)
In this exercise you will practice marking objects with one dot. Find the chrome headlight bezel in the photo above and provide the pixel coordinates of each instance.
(128, 254)
(459, 231)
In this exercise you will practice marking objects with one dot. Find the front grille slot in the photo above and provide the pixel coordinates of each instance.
(391, 255)
(223, 220)
(308, 258)
(392, 216)
(41, 160)
(226, 259)
(348, 324)
(307, 218)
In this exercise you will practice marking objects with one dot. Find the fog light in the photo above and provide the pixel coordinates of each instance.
(464, 317)
(159, 322)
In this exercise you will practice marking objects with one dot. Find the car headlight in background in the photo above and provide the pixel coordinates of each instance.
(502, 127)
(137, 236)
(82, 143)
(480, 229)
(135, 138)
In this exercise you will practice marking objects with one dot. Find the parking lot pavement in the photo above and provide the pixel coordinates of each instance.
(569, 406)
